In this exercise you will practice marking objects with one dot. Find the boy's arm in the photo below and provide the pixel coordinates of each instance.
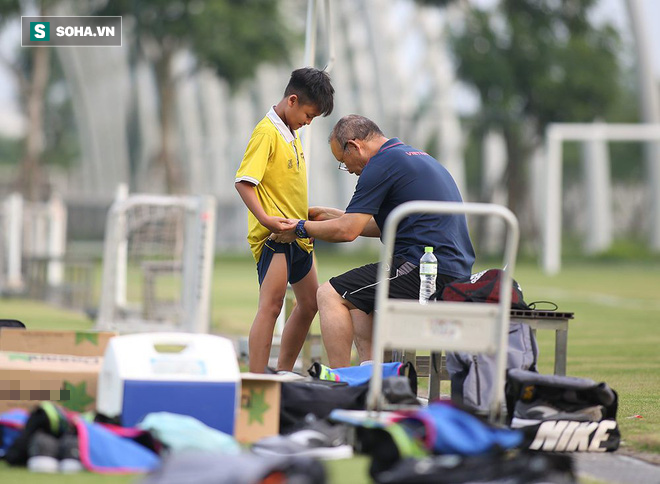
(274, 224)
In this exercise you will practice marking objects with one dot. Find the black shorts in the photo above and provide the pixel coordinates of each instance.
(358, 286)
(298, 261)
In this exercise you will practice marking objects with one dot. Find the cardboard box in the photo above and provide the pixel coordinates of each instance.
(28, 378)
(259, 415)
(79, 343)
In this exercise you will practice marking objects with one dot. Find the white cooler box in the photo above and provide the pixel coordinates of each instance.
(144, 373)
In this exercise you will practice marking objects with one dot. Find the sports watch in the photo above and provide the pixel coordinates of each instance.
(301, 233)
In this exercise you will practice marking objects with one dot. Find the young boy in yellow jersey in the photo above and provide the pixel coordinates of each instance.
(272, 181)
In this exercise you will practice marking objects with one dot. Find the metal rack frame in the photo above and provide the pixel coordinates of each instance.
(438, 325)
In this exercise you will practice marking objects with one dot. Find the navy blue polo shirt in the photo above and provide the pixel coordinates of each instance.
(399, 173)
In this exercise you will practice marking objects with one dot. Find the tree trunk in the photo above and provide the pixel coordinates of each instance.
(166, 159)
(519, 151)
(31, 180)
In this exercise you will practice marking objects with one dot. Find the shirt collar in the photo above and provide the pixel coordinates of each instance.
(389, 144)
(281, 127)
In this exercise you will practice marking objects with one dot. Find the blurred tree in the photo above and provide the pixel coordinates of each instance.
(230, 36)
(32, 70)
(534, 62)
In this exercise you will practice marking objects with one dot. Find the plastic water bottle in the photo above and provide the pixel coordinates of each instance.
(428, 271)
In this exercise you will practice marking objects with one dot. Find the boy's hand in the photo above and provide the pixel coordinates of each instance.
(286, 236)
(277, 225)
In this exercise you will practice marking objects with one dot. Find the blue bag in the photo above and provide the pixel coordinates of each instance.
(355, 375)
(11, 426)
(103, 448)
(448, 430)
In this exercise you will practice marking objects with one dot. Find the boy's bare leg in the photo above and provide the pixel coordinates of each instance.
(271, 296)
(362, 333)
(297, 326)
(336, 325)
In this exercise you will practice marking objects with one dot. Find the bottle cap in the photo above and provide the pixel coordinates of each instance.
(428, 249)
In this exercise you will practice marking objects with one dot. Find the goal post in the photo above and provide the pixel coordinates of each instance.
(556, 135)
(157, 264)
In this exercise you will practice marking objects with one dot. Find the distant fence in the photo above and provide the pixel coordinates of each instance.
(87, 223)
(87, 219)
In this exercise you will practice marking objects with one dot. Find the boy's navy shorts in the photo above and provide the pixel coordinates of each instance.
(298, 261)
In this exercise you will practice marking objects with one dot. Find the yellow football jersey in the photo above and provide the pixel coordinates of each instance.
(275, 164)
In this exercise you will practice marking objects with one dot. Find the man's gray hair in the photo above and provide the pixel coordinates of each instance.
(354, 126)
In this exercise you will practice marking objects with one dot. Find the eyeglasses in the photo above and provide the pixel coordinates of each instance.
(342, 165)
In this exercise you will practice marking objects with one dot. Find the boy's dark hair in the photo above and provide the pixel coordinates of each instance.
(312, 86)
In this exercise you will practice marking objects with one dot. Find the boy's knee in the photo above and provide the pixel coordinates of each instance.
(271, 306)
(308, 306)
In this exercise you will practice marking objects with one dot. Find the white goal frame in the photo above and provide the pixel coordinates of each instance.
(556, 134)
(196, 266)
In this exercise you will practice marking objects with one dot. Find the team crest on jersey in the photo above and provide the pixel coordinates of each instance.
(290, 163)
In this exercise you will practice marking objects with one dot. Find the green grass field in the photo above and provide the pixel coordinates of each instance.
(615, 336)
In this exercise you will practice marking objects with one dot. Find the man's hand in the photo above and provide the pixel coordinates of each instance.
(319, 214)
(278, 225)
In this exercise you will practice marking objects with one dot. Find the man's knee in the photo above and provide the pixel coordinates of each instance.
(325, 294)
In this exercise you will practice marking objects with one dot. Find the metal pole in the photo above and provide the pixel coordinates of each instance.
(310, 55)
(597, 187)
(650, 111)
(552, 204)
(310, 32)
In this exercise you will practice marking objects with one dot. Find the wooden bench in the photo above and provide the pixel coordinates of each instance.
(549, 320)
(434, 366)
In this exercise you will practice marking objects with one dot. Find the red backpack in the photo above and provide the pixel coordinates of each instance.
(483, 286)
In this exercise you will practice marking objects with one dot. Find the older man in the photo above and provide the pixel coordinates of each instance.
(391, 173)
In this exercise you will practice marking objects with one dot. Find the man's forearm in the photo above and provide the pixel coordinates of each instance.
(319, 214)
(329, 230)
(341, 229)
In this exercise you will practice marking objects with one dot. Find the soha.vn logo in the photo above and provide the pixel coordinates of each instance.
(40, 31)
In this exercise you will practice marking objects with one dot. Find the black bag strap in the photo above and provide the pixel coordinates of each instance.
(533, 306)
